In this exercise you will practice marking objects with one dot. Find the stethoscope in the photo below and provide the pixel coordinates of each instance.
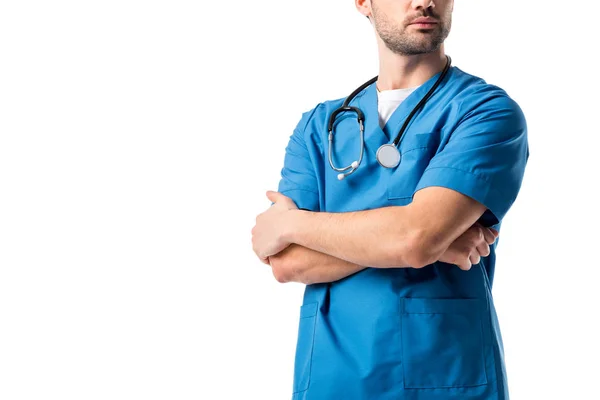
(388, 154)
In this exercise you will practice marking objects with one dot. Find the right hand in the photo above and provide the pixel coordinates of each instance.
(470, 247)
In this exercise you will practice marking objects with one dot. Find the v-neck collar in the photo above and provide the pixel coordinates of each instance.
(375, 136)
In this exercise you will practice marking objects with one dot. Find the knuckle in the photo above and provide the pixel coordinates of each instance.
(472, 237)
(466, 251)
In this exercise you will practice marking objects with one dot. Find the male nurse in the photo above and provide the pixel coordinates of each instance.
(399, 262)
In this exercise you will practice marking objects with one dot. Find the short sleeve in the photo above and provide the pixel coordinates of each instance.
(484, 158)
(298, 180)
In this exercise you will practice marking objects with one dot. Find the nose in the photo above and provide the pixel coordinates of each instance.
(416, 4)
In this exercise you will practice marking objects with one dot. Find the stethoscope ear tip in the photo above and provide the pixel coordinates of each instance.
(340, 177)
(355, 164)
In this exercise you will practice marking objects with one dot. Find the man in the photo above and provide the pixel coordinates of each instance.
(399, 259)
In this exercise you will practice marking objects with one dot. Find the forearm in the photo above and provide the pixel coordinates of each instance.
(380, 238)
(301, 264)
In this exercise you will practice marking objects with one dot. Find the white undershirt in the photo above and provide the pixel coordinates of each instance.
(389, 100)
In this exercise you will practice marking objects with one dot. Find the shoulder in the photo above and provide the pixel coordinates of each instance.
(474, 98)
(318, 116)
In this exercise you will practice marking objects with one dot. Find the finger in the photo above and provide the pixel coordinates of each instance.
(464, 264)
(273, 196)
(483, 249)
(489, 236)
(477, 232)
(475, 258)
(265, 260)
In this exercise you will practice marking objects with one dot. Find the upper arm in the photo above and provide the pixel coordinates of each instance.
(298, 179)
(298, 182)
(440, 215)
(476, 176)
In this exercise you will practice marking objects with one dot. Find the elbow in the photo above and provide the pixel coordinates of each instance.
(282, 268)
(416, 259)
(419, 251)
(286, 269)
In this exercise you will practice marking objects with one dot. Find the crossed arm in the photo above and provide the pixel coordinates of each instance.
(480, 167)
(330, 246)
(301, 264)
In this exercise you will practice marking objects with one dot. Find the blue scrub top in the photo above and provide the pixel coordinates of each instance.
(404, 333)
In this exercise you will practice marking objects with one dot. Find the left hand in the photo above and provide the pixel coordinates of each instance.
(267, 234)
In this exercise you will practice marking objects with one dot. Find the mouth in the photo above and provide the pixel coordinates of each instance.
(424, 23)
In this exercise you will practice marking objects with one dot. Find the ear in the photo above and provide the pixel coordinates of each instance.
(363, 7)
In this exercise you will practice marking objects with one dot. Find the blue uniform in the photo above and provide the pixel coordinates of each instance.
(404, 333)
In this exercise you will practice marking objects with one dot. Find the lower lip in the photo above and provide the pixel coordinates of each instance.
(424, 25)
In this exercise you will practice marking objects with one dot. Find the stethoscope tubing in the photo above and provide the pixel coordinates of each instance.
(360, 118)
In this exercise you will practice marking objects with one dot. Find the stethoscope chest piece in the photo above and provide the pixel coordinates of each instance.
(388, 156)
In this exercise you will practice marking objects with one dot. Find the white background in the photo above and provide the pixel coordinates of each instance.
(138, 139)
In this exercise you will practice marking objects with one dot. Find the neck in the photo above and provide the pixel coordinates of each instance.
(400, 71)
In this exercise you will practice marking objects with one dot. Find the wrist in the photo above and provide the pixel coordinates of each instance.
(292, 224)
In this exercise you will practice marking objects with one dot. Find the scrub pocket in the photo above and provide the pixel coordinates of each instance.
(304, 346)
(416, 152)
(442, 343)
